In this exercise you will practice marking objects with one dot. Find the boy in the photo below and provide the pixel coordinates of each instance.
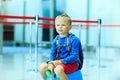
(62, 61)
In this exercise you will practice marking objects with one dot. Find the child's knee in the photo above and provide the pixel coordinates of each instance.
(42, 66)
(59, 70)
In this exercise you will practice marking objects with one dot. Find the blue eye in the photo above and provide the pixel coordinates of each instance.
(58, 25)
(63, 25)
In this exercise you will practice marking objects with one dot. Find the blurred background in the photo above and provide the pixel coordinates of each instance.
(101, 47)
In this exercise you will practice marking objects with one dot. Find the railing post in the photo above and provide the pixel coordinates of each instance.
(1, 38)
(36, 42)
(99, 47)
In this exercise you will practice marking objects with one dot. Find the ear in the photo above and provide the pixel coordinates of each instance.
(70, 27)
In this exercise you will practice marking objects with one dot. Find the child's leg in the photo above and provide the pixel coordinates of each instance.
(42, 68)
(63, 69)
(59, 71)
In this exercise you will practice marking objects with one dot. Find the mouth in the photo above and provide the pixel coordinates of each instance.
(60, 30)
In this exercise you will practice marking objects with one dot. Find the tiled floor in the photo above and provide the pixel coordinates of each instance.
(16, 63)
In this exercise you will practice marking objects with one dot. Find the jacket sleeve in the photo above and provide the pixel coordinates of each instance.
(53, 52)
(74, 52)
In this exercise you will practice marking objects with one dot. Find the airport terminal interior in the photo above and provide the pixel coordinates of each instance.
(27, 32)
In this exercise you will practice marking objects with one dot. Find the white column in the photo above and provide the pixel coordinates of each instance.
(52, 8)
(1, 38)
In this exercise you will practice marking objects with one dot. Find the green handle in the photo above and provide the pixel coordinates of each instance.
(47, 72)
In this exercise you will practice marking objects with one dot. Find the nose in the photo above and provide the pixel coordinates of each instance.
(60, 26)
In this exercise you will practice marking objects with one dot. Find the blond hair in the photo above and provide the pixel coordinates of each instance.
(64, 16)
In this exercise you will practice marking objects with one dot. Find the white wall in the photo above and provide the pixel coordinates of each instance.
(16, 7)
(33, 8)
(76, 9)
(99, 9)
(109, 15)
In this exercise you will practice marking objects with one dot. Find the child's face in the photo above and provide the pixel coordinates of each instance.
(62, 26)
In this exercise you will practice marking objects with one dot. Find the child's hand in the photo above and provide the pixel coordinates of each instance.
(57, 62)
(51, 66)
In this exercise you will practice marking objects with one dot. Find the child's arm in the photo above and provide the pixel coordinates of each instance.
(53, 52)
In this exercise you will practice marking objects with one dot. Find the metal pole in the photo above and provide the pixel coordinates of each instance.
(99, 45)
(80, 28)
(1, 38)
(52, 6)
(36, 42)
(99, 38)
(87, 30)
(24, 13)
(30, 44)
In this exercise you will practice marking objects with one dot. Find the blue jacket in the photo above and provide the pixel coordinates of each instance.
(67, 57)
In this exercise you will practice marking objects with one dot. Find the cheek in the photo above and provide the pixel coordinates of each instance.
(56, 27)
(66, 28)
